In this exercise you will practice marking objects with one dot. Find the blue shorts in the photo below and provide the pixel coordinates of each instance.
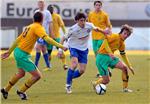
(80, 55)
(41, 41)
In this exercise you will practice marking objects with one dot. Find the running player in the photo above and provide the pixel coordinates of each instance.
(78, 37)
(22, 48)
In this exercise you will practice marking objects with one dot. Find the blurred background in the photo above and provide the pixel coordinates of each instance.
(16, 14)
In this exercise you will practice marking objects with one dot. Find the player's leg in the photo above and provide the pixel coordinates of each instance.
(36, 75)
(82, 59)
(49, 50)
(12, 82)
(102, 62)
(125, 76)
(73, 66)
(38, 53)
(63, 56)
(46, 57)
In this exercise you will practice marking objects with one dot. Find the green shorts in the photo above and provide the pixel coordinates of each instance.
(103, 61)
(96, 45)
(23, 60)
(50, 46)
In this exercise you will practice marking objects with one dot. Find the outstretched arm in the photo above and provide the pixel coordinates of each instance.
(53, 42)
(126, 61)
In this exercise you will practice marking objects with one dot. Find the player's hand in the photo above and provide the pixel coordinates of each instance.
(5, 55)
(111, 55)
(107, 31)
(65, 48)
(132, 70)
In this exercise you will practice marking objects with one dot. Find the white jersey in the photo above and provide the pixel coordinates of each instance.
(78, 37)
(47, 18)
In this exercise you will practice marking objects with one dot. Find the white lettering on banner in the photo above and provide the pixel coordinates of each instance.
(126, 10)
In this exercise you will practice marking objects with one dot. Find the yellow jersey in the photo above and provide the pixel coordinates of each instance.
(101, 20)
(115, 42)
(29, 36)
(57, 23)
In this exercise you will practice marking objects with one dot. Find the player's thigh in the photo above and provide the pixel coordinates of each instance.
(83, 56)
(120, 65)
(102, 63)
(23, 60)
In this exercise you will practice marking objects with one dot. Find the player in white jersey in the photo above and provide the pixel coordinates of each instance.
(78, 37)
(41, 45)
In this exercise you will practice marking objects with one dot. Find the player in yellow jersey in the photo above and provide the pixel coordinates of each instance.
(57, 24)
(22, 48)
(105, 58)
(100, 19)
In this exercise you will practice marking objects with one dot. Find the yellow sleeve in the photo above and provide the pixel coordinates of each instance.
(108, 22)
(53, 42)
(106, 45)
(14, 44)
(125, 60)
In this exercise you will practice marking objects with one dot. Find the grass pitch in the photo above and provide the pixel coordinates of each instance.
(51, 88)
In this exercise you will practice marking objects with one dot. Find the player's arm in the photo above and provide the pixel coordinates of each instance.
(51, 30)
(126, 61)
(12, 47)
(53, 42)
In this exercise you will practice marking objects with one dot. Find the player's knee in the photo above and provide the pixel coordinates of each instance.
(125, 68)
(20, 75)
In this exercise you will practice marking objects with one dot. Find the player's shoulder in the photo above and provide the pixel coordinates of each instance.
(104, 13)
(115, 35)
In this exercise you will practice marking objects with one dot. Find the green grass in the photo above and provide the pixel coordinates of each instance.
(51, 88)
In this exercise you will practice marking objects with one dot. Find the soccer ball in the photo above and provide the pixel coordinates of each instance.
(100, 89)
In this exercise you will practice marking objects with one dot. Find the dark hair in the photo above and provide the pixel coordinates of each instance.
(50, 8)
(38, 17)
(97, 2)
(80, 15)
(126, 27)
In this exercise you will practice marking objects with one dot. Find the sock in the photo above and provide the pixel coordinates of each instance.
(37, 57)
(11, 82)
(46, 60)
(63, 59)
(125, 79)
(69, 76)
(76, 74)
(28, 84)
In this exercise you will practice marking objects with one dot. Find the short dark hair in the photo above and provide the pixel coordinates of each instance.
(50, 8)
(126, 27)
(97, 2)
(80, 15)
(38, 17)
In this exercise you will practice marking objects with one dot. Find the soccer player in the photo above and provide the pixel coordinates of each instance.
(57, 24)
(100, 19)
(41, 45)
(22, 48)
(78, 37)
(105, 59)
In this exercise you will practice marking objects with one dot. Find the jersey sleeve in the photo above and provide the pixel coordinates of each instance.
(70, 32)
(108, 23)
(60, 21)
